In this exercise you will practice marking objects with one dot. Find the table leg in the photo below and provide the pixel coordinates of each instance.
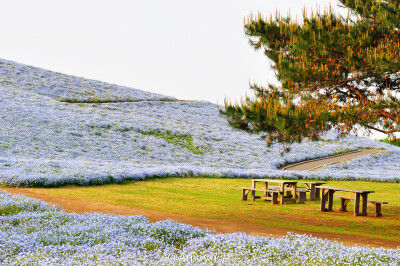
(317, 192)
(294, 193)
(288, 193)
(343, 204)
(266, 187)
(312, 191)
(357, 205)
(274, 197)
(364, 204)
(330, 199)
(282, 193)
(323, 199)
(244, 194)
(253, 184)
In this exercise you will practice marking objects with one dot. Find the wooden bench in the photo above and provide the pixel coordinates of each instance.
(269, 194)
(283, 184)
(377, 204)
(301, 193)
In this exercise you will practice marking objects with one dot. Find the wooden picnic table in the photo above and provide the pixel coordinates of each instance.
(284, 186)
(327, 195)
(314, 189)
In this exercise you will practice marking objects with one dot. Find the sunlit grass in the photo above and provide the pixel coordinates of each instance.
(395, 142)
(220, 199)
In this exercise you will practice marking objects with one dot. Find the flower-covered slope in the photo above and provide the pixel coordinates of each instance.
(67, 88)
(45, 141)
(383, 166)
(35, 233)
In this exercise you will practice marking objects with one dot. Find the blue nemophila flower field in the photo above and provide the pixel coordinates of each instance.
(36, 233)
(57, 129)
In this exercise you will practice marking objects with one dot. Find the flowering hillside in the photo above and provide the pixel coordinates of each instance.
(57, 129)
(35, 233)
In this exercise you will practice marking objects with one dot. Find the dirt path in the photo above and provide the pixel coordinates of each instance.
(220, 226)
(314, 165)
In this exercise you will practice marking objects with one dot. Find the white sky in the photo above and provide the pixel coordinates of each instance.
(185, 49)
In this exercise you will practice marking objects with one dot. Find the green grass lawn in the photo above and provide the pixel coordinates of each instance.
(220, 199)
(395, 142)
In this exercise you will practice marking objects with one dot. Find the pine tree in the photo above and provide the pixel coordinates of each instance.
(335, 72)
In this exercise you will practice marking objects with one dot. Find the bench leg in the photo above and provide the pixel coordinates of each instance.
(302, 196)
(253, 195)
(378, 208)
(274, 198)
(244, 194)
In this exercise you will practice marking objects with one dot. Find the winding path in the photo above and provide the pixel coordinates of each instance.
(314, 165)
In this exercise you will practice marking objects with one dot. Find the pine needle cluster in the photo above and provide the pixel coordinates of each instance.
(334, 72)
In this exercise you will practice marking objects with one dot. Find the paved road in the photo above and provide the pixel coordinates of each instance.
(314, 165)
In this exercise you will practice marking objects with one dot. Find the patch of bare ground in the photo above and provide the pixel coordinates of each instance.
(220, 226)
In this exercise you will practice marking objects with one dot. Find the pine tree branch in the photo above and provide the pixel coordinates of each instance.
(358, 93)
(383, 131)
